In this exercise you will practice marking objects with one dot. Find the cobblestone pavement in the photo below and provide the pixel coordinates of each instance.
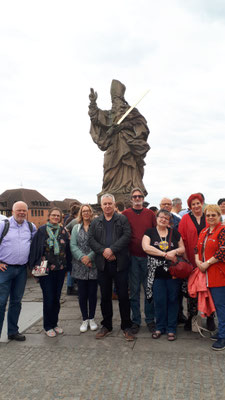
(76, 366)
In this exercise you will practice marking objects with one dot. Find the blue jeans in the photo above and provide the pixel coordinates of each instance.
(137, 276)
(166, 301)
(218, 295)
(12, 284)
(51, 286)
(70, 280)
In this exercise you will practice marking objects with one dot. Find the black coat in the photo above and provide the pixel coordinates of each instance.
(37, 248)
(120, 239)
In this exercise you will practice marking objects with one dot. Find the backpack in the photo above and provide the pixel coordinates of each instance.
(6, 228)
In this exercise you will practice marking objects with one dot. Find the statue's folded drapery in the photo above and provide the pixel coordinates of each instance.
(125, 145)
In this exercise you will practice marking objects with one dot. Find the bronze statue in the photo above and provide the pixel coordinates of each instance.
(125, 145)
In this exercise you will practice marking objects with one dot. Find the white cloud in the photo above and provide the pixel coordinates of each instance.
(51, 53)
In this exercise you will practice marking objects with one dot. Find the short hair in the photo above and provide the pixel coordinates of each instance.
(212, 207)
(57, 209)
(176, 201)
(20, 201)
(220, 201)
(79, 217)
(120, 205)
(193, 197)
(74, 209)
(136, 189)
(108, 195)
(162, 211)
(153, 208)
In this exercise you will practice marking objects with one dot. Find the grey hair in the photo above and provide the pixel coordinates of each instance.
(176, 201)
(162, 211)
(108, 195)
(17, 202)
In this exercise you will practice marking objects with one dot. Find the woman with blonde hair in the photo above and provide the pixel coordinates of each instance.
(211, 260)
(84, 268)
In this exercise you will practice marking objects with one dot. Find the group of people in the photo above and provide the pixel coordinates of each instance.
(128, 249)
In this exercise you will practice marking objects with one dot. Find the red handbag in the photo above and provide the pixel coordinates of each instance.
(182, 269)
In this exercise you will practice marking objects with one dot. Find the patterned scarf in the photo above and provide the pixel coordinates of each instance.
(152, 264)
(53, 231)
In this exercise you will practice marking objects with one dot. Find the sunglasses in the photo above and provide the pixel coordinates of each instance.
(211, 215)
(138, 196)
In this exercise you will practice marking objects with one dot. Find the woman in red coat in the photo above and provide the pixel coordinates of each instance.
(211, 260)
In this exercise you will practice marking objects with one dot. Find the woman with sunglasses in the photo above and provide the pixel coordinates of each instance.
(51, 243)
(163, 244)
(211, 260)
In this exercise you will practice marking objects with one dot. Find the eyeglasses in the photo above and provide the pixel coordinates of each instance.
(85, 211)
(166, 219)
(166, 204)
(138, 196)
(55, 215)
(211, 215)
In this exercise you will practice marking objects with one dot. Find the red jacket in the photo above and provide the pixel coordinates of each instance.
(216, 272)
(197, 288)
(189, 235)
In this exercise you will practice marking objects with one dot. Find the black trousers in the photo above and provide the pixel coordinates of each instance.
(106, 279)
(87, 290)
(51, 286)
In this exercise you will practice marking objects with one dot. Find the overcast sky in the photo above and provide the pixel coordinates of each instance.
(52, 52)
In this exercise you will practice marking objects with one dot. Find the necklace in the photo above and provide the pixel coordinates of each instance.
(163, 244)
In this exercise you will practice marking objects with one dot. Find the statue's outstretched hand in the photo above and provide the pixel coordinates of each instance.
(93, 95)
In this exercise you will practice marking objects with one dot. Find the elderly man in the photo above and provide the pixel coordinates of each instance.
(15, 240)
(177, 206)
(166, 204)
(109, 236)
(140, 220)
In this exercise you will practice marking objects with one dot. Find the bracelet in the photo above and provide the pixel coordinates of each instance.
(208, 262)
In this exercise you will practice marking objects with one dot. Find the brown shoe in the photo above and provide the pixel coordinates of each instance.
(103, 332)
(128, 335)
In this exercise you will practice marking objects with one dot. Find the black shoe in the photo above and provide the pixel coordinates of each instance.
(18, 337)
(151, 326)
(188, 324)
(210, 323)
(219, 344)
(135, 328)
(72, 291)
(181, 318)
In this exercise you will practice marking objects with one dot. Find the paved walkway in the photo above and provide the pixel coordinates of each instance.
(77, 366)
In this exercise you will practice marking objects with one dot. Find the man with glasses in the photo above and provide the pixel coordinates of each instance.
(140, 220)
(166, 204)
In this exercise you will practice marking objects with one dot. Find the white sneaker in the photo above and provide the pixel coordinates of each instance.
(84, 326)
(93, 325)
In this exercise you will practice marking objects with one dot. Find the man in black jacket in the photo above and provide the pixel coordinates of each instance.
(109, 236)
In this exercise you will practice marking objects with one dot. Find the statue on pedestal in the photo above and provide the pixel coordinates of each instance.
(125, 144)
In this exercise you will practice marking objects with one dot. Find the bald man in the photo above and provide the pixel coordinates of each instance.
(15, 239)
(166, 204)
